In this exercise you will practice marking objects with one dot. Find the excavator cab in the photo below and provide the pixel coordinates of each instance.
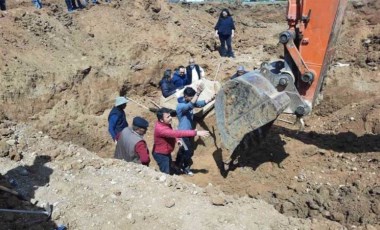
(292, 85)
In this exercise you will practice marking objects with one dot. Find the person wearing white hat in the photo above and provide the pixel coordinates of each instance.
(116, 119)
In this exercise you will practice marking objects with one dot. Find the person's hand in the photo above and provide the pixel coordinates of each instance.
(115, 141)
(203, 133)
(211, 99)
(232, 35)
(179, 143)
(216, 34)
(199, 89)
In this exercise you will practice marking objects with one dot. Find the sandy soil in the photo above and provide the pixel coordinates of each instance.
(60, 73)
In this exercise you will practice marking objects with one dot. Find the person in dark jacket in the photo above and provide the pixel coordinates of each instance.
(116, 119)
(240, 71)
(131, 146)
(2, 5)
(194, 72)
(166, 84)
(180, 78)
(225, 30)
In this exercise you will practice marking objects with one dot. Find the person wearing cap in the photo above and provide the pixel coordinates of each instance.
(185, 116)
(240, 71)
(194, 71)
(116, 118)
(131, 145)
(165, 139)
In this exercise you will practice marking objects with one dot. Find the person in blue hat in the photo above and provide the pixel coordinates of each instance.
(131, 145)
(116, 119)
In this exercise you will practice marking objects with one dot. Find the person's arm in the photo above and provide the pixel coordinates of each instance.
(112, 126)
(202, 72)
(217, 28)
(142, 150)
(184, 107)
(232, 28)
(169, 132)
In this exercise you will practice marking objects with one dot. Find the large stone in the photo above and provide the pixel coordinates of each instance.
(217, 200)
(4, 149)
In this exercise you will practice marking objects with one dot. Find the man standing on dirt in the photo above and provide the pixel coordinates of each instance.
(194, 72)
(185, 116)
(240, 71)
(116, 119)
(131, 146)
(165, 139)
(180, 78)
(225, 30)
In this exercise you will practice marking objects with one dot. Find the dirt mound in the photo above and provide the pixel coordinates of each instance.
(86, 190)
(62, 71)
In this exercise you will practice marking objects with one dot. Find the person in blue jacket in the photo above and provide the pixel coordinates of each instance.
(116, 119)
(185, 116)
(180, 78)
(225, 29)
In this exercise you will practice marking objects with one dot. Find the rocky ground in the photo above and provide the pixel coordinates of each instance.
(60, 73)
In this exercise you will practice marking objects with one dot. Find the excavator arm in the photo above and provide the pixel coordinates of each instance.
(253, 101)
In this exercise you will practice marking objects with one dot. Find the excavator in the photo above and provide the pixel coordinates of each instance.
(253, 101)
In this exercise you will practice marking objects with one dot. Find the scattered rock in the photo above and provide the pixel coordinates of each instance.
(11, 142)
(6, 132)
(217, 200)
(4, 149)
(169, 203)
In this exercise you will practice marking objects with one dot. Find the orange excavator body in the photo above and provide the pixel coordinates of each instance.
(254, 100)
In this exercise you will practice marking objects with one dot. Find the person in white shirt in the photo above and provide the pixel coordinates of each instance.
(194, 72)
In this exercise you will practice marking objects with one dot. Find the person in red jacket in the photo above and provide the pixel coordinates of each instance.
(165, 139)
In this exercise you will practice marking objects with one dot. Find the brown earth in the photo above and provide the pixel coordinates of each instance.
(60, 73)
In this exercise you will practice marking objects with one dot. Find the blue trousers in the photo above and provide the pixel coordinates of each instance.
(37, 4)
(2, 5)
(226, 40)
(163, 162)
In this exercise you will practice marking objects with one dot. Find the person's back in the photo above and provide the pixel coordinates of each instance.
(131, 146)
(125, 147)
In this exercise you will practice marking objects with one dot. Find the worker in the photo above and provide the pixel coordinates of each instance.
(225, 30)
(131, 146)
(166, 84)
(165, 139)
(116, 118)
(180, 78)
(240, 71)
(3, 5)
(185, 116)
(194, 71)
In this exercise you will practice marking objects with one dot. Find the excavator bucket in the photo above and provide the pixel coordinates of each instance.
(245, 104)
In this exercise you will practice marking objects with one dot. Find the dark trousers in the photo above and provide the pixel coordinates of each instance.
(163, 162)
(185, 153)
(2, 5)
(226, 40)
(75, 6)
